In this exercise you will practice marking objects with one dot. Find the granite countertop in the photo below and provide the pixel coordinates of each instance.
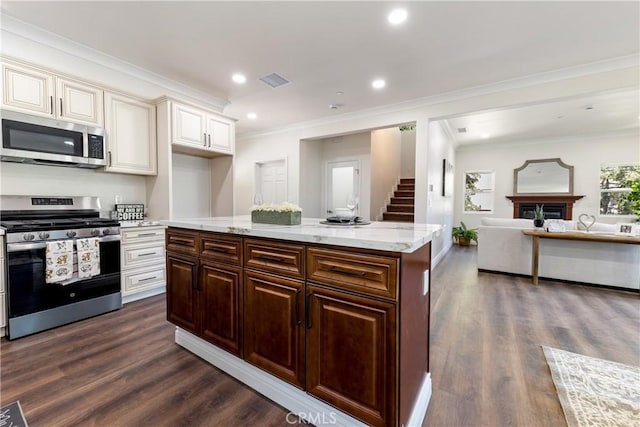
(386, 236)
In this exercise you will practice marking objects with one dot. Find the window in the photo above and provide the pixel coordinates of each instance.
(616, 183)
(478, 191)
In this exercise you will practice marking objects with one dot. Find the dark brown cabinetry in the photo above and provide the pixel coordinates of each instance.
(221, 306)
(348, 326)
(273, 327)
(182, 282)
(204, 292)
(351, 360)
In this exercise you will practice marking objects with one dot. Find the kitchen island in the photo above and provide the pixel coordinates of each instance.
(331, 322)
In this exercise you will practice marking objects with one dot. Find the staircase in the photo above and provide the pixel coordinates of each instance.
(401, 206)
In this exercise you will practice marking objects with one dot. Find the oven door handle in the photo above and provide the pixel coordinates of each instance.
(17, 247)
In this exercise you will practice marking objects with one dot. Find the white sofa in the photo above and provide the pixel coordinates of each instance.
(502, 247)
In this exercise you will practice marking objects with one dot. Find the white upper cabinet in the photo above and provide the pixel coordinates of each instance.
(131, 135)
(27, 90)
(79, 102)
(220, 134)
(201, 131)
(33, 91)
(189, 126)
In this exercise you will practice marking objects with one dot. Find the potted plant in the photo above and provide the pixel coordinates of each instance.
(464, 235)
(538, 216)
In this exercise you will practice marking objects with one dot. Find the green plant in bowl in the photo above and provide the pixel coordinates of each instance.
(464, 235)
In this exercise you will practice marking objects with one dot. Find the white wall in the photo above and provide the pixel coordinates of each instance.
(311, 181)
(408, 154)
(21, 179)
(550, 86)
(386, 162)
(191, 186)
(271, 148)
(439, 208)
(584, 153)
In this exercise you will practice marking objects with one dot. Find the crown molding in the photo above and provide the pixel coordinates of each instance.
(544, 141)
(12, 25)
(612, 64)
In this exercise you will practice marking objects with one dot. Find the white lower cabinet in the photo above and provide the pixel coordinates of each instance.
(143, 262)
(3, 300)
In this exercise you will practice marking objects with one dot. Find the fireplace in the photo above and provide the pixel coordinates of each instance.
(551, 210)
(555, 206)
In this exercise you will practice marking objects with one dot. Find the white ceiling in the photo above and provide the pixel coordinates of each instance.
(326, 47)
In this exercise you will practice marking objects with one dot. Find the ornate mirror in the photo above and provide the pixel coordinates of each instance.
(543, 176)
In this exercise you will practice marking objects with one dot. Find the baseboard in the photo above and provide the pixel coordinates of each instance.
(436, 260)
(568, 282)
(144, 294)
(421, 404)
(291, 398)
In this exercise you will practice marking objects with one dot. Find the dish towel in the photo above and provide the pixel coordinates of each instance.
(88, 257)
(59, 257)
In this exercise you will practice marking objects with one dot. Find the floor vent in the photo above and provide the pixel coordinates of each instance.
(274, 80)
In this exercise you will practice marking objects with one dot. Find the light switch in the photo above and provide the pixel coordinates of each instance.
(425, 282)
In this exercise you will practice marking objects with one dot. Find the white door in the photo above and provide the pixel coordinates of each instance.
(78, 102)
(271, 181)
(220, 135)
(27, 90)
(343, 182)
(131, 135)
(189, 127)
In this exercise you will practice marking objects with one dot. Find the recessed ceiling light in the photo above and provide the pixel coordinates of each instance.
(485, 135)
(397, 16)
(339, 93)
(378, 84)
(239, 78)
(252, 116)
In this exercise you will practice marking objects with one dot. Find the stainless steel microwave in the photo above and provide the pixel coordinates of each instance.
(40, 140)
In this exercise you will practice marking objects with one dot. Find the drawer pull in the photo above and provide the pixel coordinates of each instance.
(307, 311)
(219, 250)
(147, 234)
(148, 253)
(347, 272)
(297, 308)
(269, 258)
(147, 279)
(181, 239)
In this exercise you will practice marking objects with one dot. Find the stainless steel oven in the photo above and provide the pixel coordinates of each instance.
(34, 303)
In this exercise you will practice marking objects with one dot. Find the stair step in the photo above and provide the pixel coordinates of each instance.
(409, 194)
(401, 217)
(411, 181)
(400, 208)
(402, 200)
(406, 187)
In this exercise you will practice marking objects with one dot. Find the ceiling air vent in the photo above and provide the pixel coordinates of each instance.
(462, 130)
(274, 80)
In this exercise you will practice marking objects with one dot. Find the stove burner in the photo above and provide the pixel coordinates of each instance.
(14, 226)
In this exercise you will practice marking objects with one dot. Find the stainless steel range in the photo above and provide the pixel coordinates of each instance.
(63, 261)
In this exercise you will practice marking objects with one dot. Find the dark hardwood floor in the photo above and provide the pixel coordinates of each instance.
(487, 366)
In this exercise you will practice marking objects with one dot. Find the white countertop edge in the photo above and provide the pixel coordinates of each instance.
(385, 236)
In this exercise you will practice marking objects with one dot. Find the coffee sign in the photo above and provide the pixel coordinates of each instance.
(130, 212)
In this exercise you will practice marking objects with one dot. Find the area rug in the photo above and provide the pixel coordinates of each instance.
(595, 392)
(11, 415)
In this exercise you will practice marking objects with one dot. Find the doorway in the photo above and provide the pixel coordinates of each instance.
(271, 181)
(343, 183)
